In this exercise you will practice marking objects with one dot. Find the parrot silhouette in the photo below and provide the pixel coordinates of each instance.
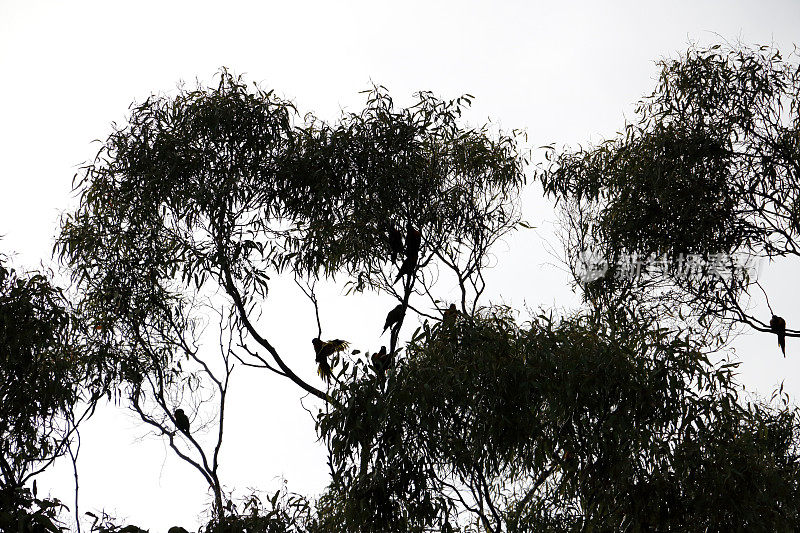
(325, 349)
(450, 314)
(413, 243)
(381, 362)
(181, 421)
(395, 242)
(778, 326)
(394, 316)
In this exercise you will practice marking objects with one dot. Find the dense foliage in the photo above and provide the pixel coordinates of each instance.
(710, 172)
(43, 375)
(559, 425)
(619, 416)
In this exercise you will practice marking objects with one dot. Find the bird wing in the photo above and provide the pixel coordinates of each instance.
(337, 345)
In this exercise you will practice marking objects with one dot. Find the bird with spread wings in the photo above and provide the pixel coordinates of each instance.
(323, 350)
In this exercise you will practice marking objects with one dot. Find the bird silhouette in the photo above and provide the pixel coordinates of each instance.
(450, 314)
(413, 240)
(413, 243)
(407, 268)
(322, 351)
(778, 326)
(181, 421)
(395, 242)
(394, 316)
(381, 361)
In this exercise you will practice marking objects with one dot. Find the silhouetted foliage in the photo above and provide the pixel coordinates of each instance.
(281, 512)
(607, 419)
(558, 425)
(43, 375)
(215, 190)
(710, 170)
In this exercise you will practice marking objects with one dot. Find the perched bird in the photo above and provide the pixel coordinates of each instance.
(181, 421)
(413, 240)
(450, 314)
(407, 268)
(394, 316)
(395, 242)
(325, 349)
(381, 361)
(778, 326)
(413, 243)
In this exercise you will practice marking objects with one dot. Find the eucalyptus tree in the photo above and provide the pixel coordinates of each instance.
(217, 191)
(694, 193)
(614, 418)
(610, 418)
(574, 424)
(46, 390)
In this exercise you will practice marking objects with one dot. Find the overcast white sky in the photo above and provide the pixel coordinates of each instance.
(567, 72)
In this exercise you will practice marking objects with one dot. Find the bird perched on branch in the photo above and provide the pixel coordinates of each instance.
(413, 243)
(413, 240)
(394, 316)
(395, 239)
(324, 350)
(778, 326)
(381, 361)
(450, 314)
(181, 421)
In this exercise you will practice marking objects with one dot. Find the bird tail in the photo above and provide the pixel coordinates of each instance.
(324, 371)
(782, 344)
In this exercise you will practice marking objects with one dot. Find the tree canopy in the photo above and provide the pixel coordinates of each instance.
(45, 371)
(557, 425)
(707, 173)
(622, 415)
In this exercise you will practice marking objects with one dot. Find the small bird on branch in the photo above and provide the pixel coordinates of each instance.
(395, 239)
(324, 350)
(450, 314)
(413, 243)
(381, 362)
(182, 421)
(778, 326)
(394, 316)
